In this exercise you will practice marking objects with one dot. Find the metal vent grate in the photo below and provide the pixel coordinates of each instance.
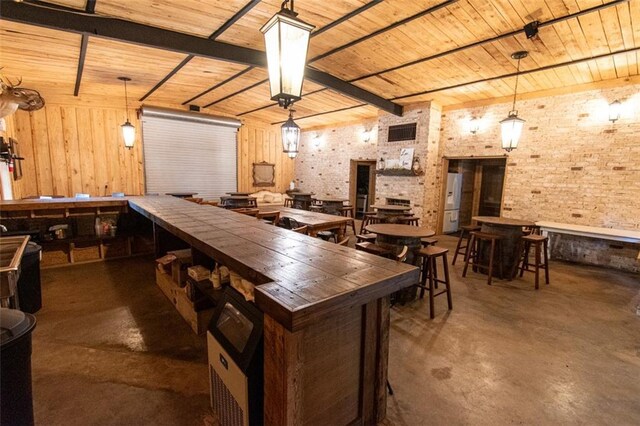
(402, 132)
(224, 403)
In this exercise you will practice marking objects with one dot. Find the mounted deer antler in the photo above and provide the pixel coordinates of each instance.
(13, 97)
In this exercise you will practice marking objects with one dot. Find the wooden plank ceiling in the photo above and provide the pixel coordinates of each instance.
(406, 51)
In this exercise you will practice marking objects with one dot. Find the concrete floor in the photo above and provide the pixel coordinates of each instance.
(110, 349)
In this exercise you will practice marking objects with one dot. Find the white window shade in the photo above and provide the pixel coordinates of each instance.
(189, 152)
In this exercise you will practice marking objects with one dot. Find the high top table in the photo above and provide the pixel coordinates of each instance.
(511, 231)
(238, 201)
(332, 205)
(302, 200)
(394, 237)
(390, 211)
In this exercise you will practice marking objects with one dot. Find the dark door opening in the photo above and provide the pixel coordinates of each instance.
(362, 190)
(478, 194)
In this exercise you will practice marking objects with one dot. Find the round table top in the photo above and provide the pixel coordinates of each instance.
(499, 220)
(331, 199)
(401, 231)
(396, 207)
(301, 194)
(182, 194)
(237, 197)
(239, 193)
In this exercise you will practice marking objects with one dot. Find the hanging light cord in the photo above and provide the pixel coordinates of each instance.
(126, 99)
(515, 93)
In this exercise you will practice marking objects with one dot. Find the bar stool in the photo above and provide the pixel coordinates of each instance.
(429, 256)
(349, 211)
(465, 231)
(408, 220)
(472, 257)
(540, 244)
(368, 220)
(288, 202)
(428, 242)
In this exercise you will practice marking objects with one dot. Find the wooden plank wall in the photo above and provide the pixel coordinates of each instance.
(261, 142)
(79, 149)
(71, 150)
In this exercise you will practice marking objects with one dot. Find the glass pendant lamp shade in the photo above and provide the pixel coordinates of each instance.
(128, 134)
(286, 41)
(511, 131)
(128, 130)
(290, 137)
(511, 126)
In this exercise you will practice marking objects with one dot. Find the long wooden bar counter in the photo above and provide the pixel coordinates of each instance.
(326, 310)
(326, 306)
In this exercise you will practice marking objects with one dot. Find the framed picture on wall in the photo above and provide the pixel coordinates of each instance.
(264, 174)
(406, 158)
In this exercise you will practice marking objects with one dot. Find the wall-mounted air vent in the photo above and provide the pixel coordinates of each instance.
(402, 132)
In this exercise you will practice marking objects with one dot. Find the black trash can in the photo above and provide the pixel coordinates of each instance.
(29, 288)
(16, 399)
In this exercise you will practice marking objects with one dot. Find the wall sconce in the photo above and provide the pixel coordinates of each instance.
(474, 125)
(315, 140)
(366, 136)
(615, 108)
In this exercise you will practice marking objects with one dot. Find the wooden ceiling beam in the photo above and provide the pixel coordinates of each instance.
(89, 8)
(131, 32)
(213, 36)
(521, 73)
(491, 40)
(465, 47)
(385, 29)
(346, 17)
(83, 53)
(323, 113)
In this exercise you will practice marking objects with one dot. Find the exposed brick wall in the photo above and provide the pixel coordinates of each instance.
(325, 169)
(572, 164)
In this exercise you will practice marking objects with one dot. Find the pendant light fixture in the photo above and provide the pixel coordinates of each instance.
(512, 125)
(290, 136)
(128, 130)
(286, 40)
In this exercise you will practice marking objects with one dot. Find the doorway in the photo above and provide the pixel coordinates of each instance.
(362, 185)
(471, 187)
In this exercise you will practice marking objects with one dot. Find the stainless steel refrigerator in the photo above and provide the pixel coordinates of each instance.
(451, 222)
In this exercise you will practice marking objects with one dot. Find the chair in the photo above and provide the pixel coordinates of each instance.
(472, 254)
(248, 212)
(210, 203)
(316, 208)
(269, 217)
(301, 230)
(540, 245)
(428, 242)
(531, 230)
(327, 235)
(368, 220)
(289, 223)
(465, 233)
(344, 242)
(429, 255)
(408, 220)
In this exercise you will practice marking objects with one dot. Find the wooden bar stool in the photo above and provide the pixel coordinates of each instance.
(368, 220)
(429, 256)
(472, 254)
(428, 242)
(465, 233)
(288, 202)
(524, 247)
